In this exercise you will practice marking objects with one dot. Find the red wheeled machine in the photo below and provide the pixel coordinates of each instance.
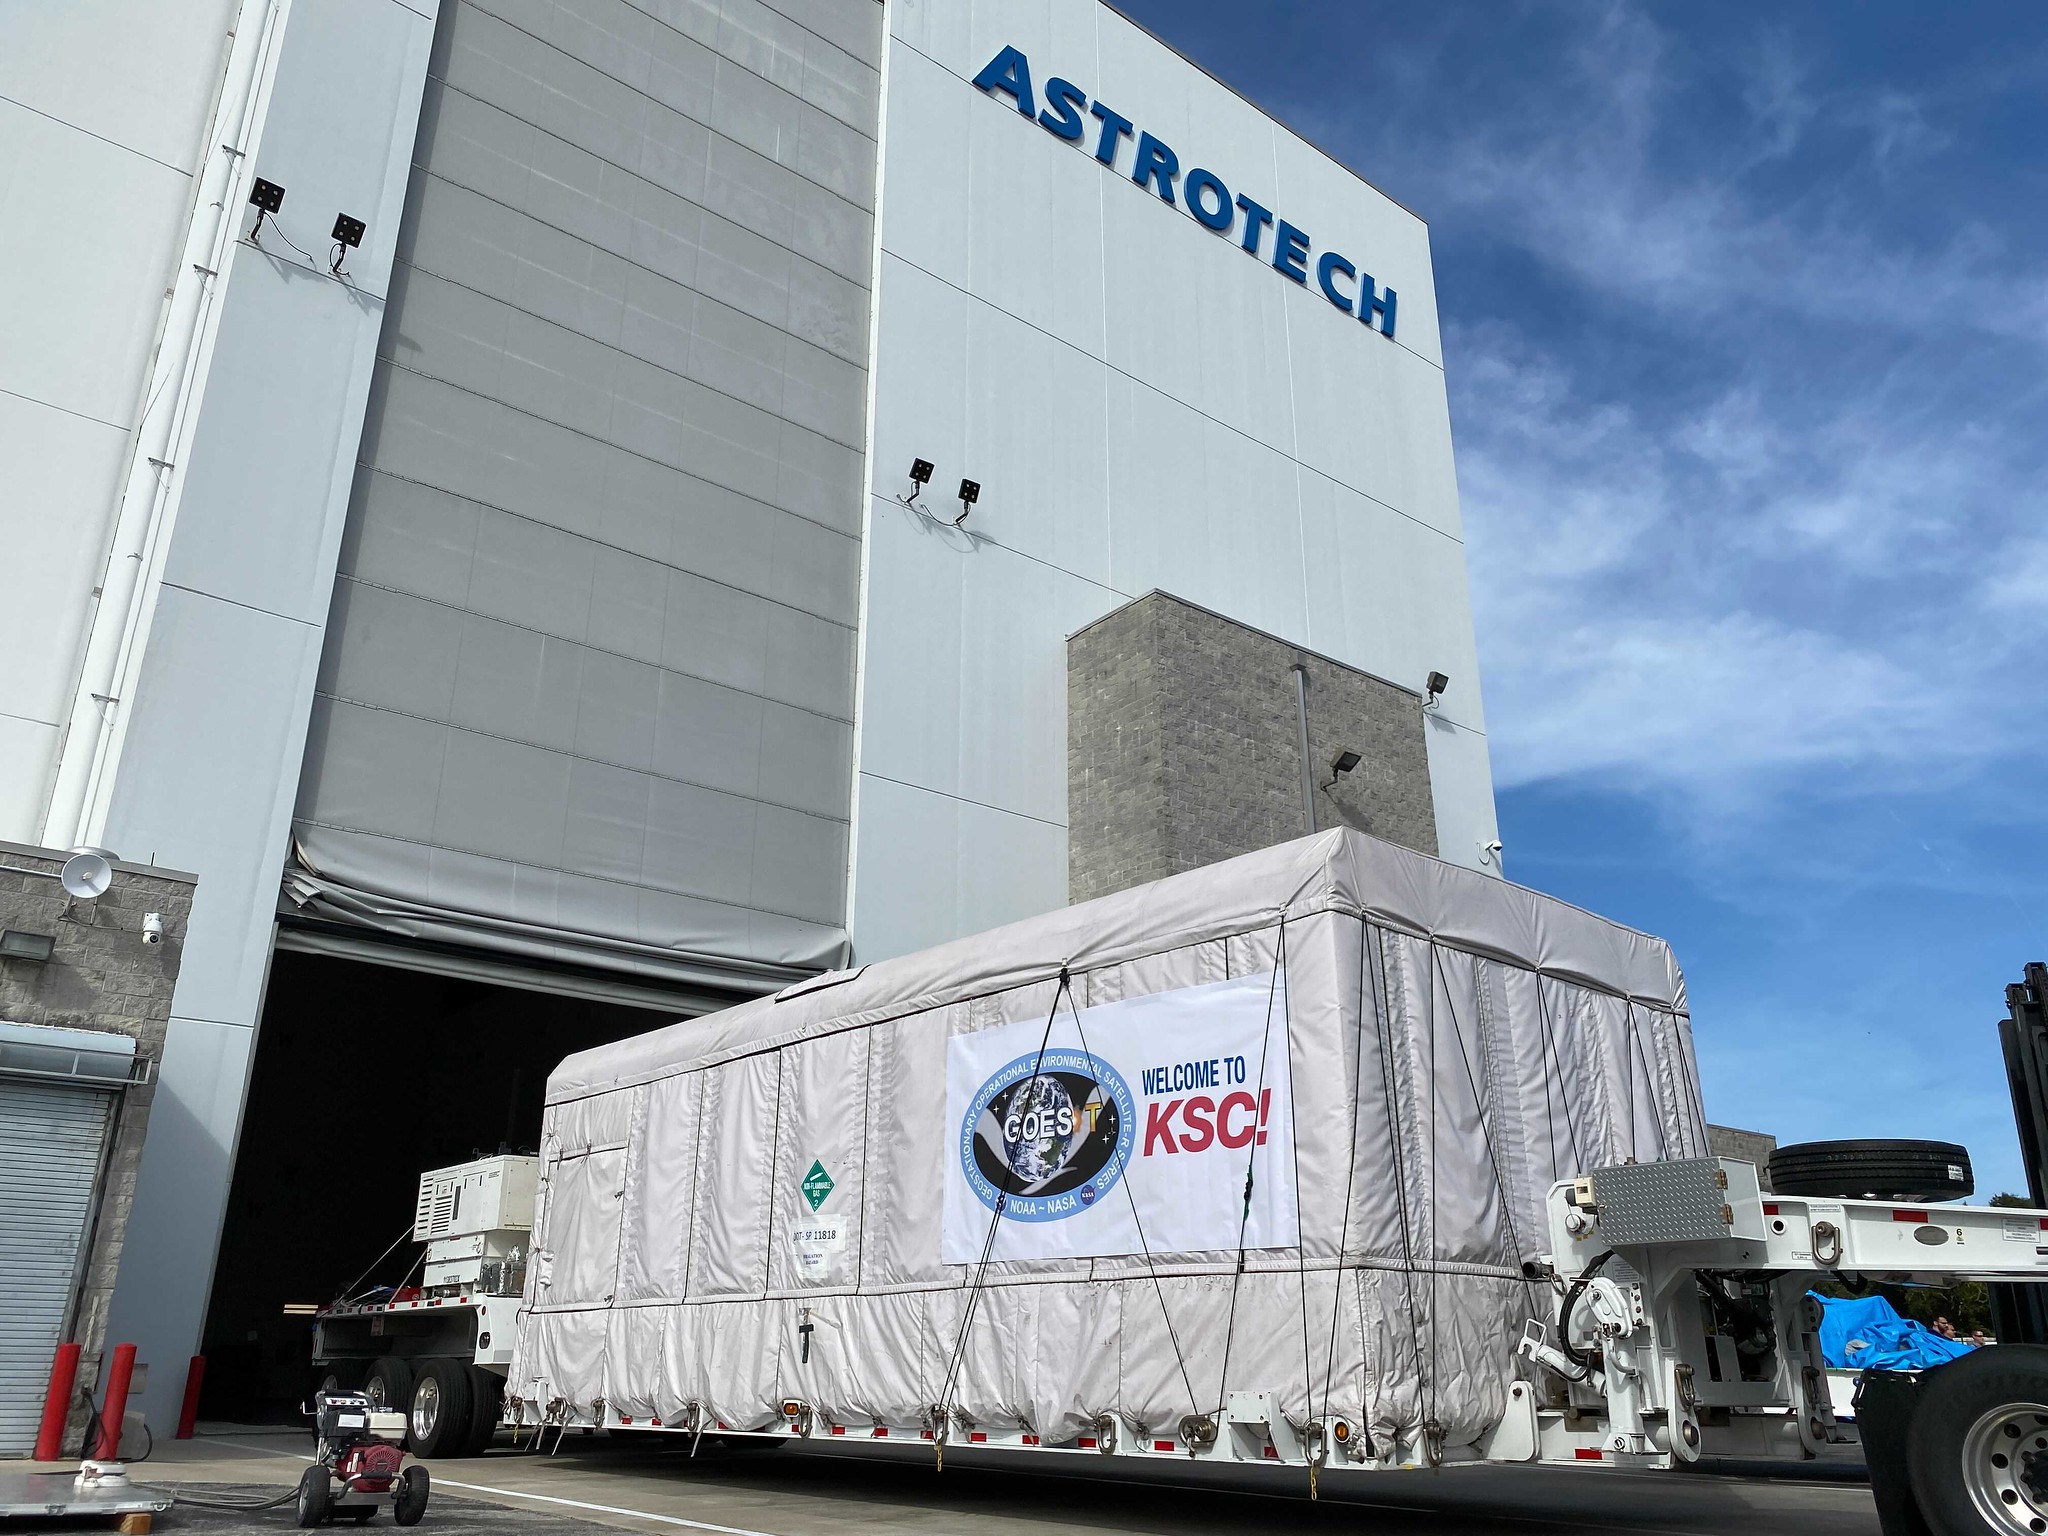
(359, 1464)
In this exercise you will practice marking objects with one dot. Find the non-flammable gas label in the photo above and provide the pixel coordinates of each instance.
(817, 1185)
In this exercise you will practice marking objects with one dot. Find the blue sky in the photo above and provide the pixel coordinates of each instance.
(1746, 315)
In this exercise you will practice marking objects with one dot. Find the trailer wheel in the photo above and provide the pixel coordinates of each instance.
(388, 1384)
(1873, 1170)
(438, 1424)
(486, 1403)
(315, 1500)
(1977, 1450)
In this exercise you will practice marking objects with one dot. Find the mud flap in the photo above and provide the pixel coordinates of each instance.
(1884, 1417)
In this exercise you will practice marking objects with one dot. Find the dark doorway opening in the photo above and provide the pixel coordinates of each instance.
(365, 1077)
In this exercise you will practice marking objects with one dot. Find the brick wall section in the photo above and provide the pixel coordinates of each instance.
(101, 976)
(1183, 746)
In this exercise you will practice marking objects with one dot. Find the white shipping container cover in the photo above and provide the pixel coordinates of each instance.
(749, 1207)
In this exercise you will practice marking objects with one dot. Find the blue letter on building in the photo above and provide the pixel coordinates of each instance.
(1370, 302)
(1156, 164)
(1115, 126)
(1063, 103)
(1290, 252)
(1255, 219)
(1330, 262)
(1010, 73)
(1224, 214)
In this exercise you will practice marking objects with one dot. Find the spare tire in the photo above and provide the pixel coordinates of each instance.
(1873, 1170)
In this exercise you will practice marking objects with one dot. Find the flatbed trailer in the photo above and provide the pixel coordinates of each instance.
(1681, 1330)
(439, 1351)
(1008, 1194)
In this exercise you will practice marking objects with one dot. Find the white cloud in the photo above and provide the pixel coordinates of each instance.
(1718, 608)
(1594, 173)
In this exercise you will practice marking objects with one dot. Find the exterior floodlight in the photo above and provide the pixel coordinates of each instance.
(1340, 765)
(35, 948)
(86, 875)
(920, 477)
(1436, 685)
(970, 492)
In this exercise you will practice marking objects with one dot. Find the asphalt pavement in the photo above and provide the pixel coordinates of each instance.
(599, 1483)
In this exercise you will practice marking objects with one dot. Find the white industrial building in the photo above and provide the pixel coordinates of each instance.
(526, 596)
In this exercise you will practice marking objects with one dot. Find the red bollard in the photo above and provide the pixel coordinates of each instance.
(115, 1409)
(188, 1415)
(57, 1405)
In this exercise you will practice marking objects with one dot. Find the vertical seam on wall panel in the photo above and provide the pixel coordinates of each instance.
(849, 886)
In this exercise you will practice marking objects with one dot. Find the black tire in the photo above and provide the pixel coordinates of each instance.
(316, 1498)
(388, 1383)
(1873, 1170)
(338, 1376)
(409, 1499)
(486, 1403)
(437, 1424)
(1990, 1406)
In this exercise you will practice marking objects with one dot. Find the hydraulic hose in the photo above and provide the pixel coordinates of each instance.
(1571, 1300)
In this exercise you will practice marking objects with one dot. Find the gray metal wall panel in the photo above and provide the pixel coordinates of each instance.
(590, 663)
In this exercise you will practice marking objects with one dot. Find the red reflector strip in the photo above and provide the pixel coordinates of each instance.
(1911, 1218)
(1271, 1454)
(976, 1437)
(1587, 1453)
(1031, 1440)
(1164, 1445)
(838, 1429)
(1769, 1209)
(2044, 1223)
(624, 1420)
(924, 1434)
(881, 1432)
(1087, 1442)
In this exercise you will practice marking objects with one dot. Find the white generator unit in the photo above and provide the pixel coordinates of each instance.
(476, 1219)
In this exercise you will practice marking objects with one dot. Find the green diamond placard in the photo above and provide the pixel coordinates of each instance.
(817, 1184)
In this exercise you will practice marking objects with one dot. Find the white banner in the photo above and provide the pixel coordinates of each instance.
(1144, 1111)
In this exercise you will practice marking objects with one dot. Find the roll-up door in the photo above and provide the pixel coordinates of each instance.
(52, 1139)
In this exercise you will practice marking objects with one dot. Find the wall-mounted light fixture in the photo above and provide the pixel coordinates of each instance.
(1342, 764)
(970, 493)
(920, 477)
(1436, 686)
(35, 948)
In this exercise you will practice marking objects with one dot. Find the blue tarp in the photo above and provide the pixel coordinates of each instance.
(1860, 1333)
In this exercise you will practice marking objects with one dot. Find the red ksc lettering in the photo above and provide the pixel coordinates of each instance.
(1242, 1137)
(1159, 1125)
(1199, 1132)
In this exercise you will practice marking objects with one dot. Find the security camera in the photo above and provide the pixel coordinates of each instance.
(153, 928)
(1492, 848)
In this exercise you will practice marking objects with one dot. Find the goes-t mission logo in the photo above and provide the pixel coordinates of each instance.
(1045, 1137)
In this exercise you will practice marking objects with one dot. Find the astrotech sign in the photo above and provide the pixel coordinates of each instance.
(1291, 251)
(1139, 1114)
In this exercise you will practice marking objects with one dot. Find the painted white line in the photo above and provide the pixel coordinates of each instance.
(603, 1509)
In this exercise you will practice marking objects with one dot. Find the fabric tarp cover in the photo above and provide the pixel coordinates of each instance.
(1866, 1333)
(1456, 1045)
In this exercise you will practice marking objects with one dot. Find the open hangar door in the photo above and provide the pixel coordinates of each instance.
(366, 1075)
